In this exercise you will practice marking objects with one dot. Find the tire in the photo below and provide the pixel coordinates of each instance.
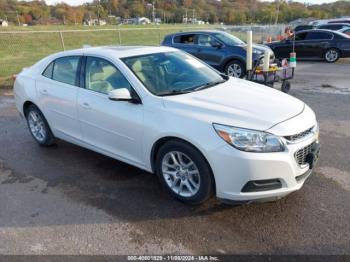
(191, 184)
(285, 88)
(332, 55)
(38, 126)
(232, 67)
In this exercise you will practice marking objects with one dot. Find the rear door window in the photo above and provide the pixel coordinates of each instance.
(185, 39)
(65, 70)
(318, 36)
(48, 71)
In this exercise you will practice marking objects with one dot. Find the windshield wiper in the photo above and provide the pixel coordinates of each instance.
(208, 85)
(175, 92)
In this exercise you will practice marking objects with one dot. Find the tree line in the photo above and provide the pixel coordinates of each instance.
(170, 11)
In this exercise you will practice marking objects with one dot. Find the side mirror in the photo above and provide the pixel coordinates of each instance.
(216, 45)
(120, 94)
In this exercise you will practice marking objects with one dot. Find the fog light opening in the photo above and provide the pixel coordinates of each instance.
(261, 185)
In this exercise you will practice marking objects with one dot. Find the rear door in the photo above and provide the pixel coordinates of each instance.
(57, 91)
(186, 42)
(316, 43)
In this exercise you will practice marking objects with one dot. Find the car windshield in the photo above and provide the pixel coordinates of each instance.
(172, 73)
(228, 39)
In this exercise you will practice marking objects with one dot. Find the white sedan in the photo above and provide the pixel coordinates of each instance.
(166, 112)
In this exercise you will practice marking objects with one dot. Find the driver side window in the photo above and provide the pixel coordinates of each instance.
(101, 76)
(206, 40)
(300, 37)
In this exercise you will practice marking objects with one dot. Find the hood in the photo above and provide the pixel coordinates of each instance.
(238, 103)
(262, 48)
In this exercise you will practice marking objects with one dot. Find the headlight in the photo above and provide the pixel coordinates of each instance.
(257, 51)
(249, 140)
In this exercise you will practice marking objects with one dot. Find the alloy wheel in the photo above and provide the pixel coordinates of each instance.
(181, 174)
(331, 55)
(234, 70)
(37, 126)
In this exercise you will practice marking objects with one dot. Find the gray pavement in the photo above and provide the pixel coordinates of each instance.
(69, 200)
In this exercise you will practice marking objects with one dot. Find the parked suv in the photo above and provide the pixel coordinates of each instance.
(220, 50)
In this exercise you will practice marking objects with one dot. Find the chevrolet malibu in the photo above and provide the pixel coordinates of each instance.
(166, 112)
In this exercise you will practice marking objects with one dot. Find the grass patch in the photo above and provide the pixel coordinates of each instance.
(23, 49)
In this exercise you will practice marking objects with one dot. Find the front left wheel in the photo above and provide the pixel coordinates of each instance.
(38, 126)
(184, 172)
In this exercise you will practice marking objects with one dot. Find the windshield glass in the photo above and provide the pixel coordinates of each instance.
(172, 73)
(229, 39)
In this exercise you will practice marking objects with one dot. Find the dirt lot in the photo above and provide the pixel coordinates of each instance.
(68, 200)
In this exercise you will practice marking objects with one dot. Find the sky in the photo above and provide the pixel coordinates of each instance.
(78, 2)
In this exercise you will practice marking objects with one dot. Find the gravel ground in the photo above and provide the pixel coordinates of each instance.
(69, 200)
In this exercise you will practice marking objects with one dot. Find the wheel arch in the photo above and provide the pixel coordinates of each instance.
(26, 105)
(161, 141)
(230, 59)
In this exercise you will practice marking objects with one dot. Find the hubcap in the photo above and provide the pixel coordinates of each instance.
(181, 174)
(331, 55)
(234, 70)
(37, 126)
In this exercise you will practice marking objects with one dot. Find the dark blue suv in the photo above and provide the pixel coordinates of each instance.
(219, 49)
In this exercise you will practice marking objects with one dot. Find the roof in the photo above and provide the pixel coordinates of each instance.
(198, 32)
(118, 51)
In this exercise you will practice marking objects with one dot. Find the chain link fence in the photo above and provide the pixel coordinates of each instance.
(20, 49)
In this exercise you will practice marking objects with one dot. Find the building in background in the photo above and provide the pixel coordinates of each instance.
(3, 23)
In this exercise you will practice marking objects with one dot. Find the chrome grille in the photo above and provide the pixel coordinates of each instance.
(300, 155)
(299, 135)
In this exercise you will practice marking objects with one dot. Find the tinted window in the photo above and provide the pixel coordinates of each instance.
(101, 76)
(318, 36)
(171, 72)
(48, 71)
(333, 27)
(185, 39)
(303, 27)
(65, 70)
(300, 37)
(206, 40)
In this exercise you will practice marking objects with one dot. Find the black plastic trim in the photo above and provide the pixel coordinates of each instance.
(261, 185)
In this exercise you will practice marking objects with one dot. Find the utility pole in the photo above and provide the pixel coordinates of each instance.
(19, 24)
(193, 11)
(153, 13)
(98, 12)
(186, 17)
(277, 11)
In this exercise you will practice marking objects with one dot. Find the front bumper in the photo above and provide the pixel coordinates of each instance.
(233, 169)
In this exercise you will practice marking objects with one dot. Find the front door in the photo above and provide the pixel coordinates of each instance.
(115, 127)
(210, 50)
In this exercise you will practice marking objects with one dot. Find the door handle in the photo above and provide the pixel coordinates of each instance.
(85, 105)
(44, 91)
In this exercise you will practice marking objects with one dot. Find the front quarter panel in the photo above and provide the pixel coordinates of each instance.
(161, 122)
